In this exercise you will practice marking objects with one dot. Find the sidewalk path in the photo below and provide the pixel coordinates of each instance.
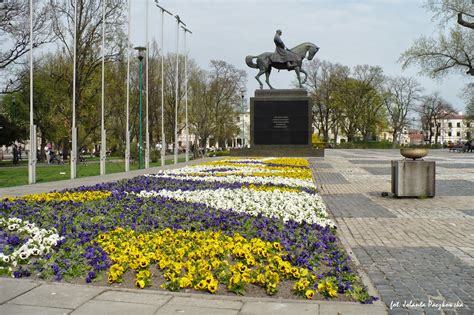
(87, 181)
(417, 252)
(23, 296)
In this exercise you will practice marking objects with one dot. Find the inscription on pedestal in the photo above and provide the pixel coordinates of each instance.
(281, 122)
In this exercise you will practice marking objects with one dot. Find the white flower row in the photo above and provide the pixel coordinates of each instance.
(297, 206)
(255, 160)
(204, 170)
(267, 180)
(39, 242)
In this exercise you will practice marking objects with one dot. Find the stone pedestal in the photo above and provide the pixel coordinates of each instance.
(413, 178)
(280, 124)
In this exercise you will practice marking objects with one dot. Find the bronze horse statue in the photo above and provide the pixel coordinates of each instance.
(265, 65)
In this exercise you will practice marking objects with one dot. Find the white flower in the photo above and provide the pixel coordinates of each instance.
(298, 206)
(40, 241)
(5, 258)
(24, 255)
(268, 180)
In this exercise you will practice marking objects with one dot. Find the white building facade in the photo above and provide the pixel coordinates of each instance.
(454, 128)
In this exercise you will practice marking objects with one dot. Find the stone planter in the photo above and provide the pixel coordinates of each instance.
(414, 153)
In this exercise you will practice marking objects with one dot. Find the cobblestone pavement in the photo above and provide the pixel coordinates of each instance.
(418, 253)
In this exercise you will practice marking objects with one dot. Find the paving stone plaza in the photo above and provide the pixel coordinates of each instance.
(416, 254)
(414, 250)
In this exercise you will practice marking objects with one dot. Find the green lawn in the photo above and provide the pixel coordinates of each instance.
(18, 175)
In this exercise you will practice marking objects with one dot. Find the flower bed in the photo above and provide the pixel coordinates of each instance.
(226, 226)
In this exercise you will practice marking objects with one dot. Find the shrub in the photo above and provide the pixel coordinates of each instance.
(219, 153)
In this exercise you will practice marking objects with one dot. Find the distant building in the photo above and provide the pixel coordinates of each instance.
(243, 122)
(454, 128)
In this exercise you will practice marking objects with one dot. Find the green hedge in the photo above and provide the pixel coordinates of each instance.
(380, 145)
(218, 153)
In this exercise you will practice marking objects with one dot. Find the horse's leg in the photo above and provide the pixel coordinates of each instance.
(297, 70)
(267, 75)
(258, 76)
(306, 75)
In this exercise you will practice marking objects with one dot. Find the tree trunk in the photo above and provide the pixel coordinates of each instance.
(395, 141)
(42, 145)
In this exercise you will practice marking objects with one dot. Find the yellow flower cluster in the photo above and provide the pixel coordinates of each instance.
(200, 260)
(327, 288)
(288, 161)
(285, 172)
(271, 188)
(82, 196)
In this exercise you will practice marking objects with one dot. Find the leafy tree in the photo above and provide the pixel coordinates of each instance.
(10, 132)
(323, 79)
(349, 106)
(215, 95)
(372, 111)
(400, 96)
(450, 52)
(225, 84)
(468, 95)
(13, 119)
(446, 10)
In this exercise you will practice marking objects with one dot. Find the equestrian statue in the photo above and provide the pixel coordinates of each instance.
(282, 58)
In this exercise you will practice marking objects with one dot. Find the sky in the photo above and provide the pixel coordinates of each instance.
(348, 32)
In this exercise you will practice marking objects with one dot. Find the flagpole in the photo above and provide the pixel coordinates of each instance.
(73, 129)
(32, 152)
(147, 134)
(163, 140)
(186, 90)
(127, 110)
(103, 140)
(178, 21)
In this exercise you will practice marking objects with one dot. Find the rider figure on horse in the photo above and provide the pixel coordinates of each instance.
(283, 54)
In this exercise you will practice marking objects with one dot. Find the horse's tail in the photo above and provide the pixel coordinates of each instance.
(250, 63)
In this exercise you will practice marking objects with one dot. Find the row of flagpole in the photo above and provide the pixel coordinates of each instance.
(73, 156)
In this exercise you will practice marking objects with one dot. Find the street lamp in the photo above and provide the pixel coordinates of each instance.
(140, 71)
(163, 142)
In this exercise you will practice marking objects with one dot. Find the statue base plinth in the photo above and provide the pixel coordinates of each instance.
(280, 117)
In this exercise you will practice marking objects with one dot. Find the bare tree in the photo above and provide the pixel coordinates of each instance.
(400, 97)
(15, 32)
(88, 47)
(432, 110)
